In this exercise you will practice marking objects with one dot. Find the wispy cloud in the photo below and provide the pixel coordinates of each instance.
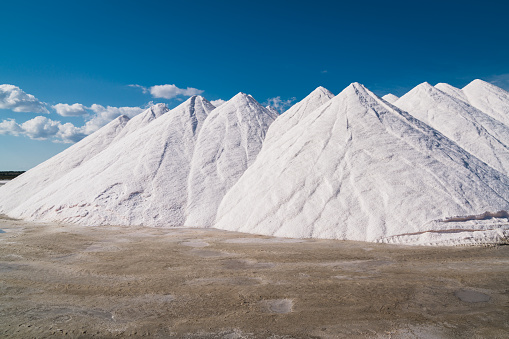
(279, 104)
(500, 80)
(14, 98)
(143, 89)
(168, 91)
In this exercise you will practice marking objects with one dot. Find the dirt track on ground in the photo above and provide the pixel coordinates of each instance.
(62, 280)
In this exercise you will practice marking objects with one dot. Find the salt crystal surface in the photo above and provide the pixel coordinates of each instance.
(472, 129)
(357, 168)
(228, 143)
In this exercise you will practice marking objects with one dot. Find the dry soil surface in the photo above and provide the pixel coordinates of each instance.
(65, 280)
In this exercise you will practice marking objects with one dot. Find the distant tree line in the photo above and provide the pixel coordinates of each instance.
(8, 175)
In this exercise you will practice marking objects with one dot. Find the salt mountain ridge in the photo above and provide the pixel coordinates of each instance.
(352, 166)
(472, 129)
(358, 168)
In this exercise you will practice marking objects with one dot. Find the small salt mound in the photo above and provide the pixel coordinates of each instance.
(228, 143)
(390, 98)
(452, 91)
(142, 119)
(357, 168)
(488, 98)
(475, 131)
(17, 191)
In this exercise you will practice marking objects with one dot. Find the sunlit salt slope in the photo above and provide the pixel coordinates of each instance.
(139, 181)
(488, 98)
(228, 143)
(484, 96)
(141, 120)
(30, 183)
(296, 113)
(358, 168)
(17, 191)
(472, 129)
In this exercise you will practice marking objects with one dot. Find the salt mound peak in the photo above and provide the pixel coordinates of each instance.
(357, 168)
(142, 119)
(272, 109)
(488, 98)
(297, 112)
(390, 98)
(139, 181)
(31, 182)
(475, 131)
(452, 91)
(228, 143)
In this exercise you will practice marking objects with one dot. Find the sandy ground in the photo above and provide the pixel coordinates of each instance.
(61, 280)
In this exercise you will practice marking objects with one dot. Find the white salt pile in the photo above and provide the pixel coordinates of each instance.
(354, 166)
(228, 144)
(139, 181)
(357, 168)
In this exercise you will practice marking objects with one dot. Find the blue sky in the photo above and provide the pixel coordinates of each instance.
(89, 52)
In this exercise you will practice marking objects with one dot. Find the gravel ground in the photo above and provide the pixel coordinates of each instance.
(65, 280)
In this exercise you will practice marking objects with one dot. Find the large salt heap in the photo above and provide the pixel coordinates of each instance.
(357, 168)
(228, 143)
(17, 191)
(139, 181)
(475, 131)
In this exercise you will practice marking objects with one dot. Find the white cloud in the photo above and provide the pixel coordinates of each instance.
(67, 110)
(168, 91)
(40, 128)
(68, 133)
(172, 91)
(217, 102)
(280, 105)
(14, 98)
(10, 126)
